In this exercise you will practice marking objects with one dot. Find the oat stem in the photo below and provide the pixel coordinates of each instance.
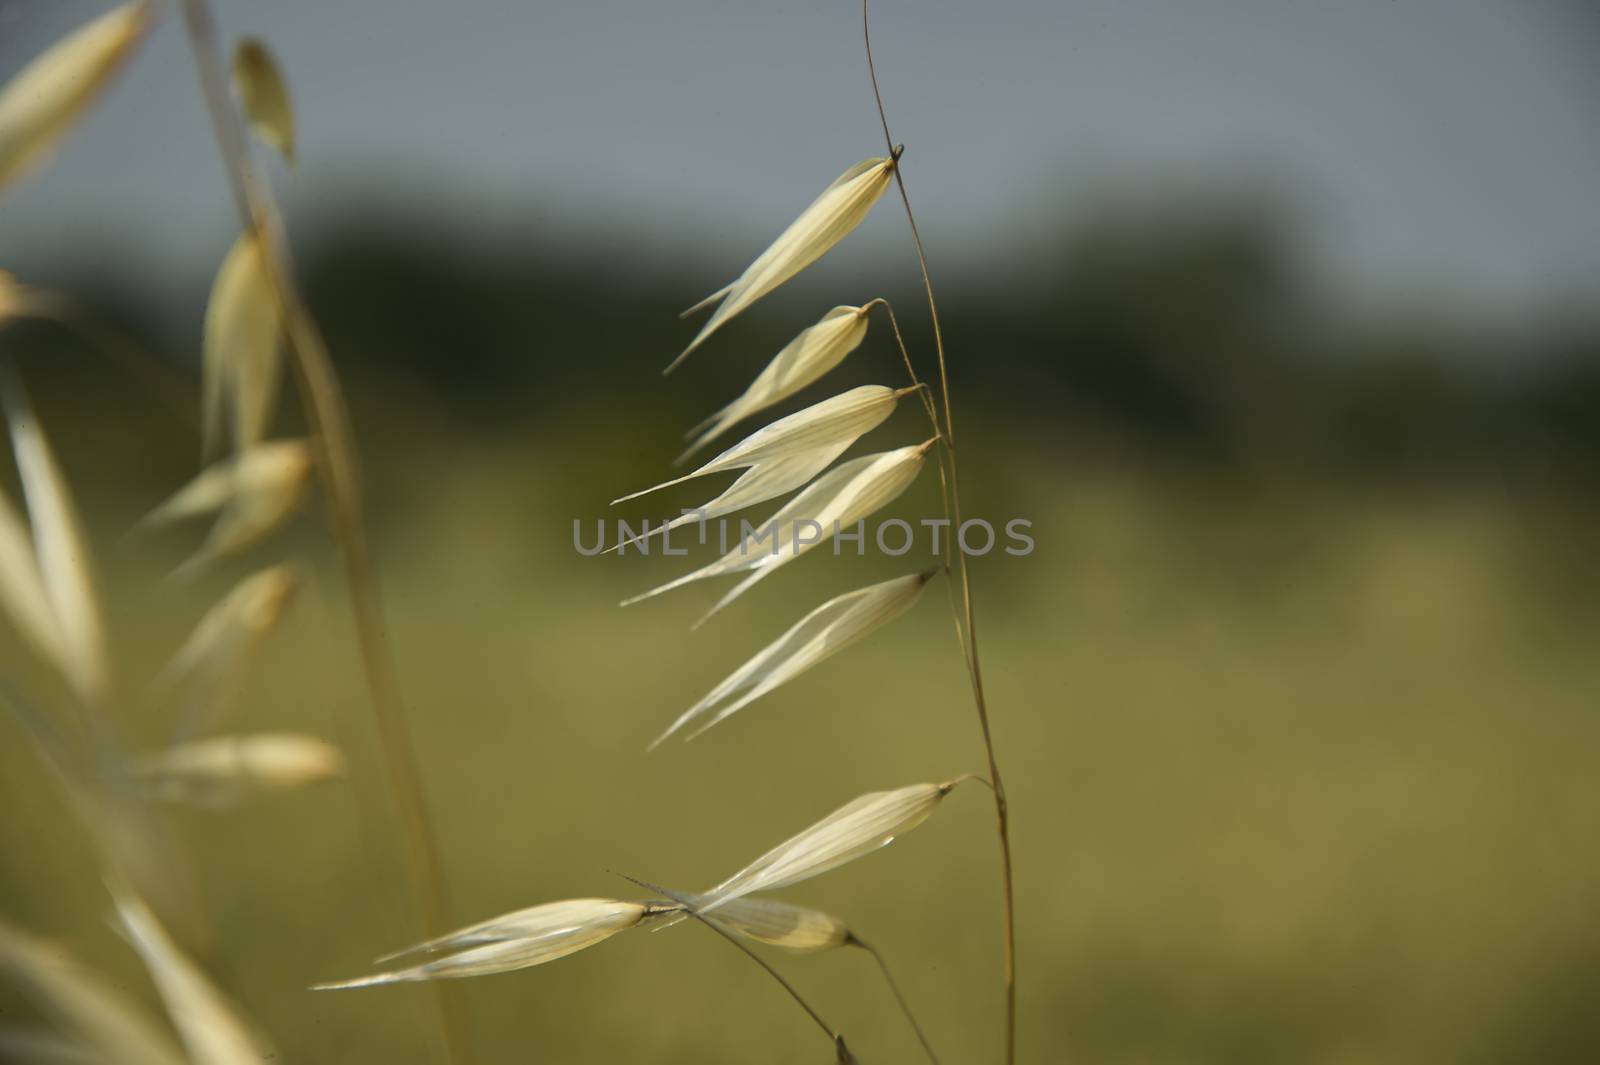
(845, 1057)
(905, 1005)
(970, 644)
(328, 421)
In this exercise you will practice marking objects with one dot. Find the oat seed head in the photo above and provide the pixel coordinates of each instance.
(242, 350)
(43, 101)
(263, 95)
(822, 633)
(830, 218)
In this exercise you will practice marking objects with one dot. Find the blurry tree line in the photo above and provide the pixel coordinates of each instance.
(1185, 335)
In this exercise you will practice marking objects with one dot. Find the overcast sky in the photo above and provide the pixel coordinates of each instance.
(1435, 149)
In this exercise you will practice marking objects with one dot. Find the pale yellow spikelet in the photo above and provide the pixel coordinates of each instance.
(233, 629)
(210, 1027)
(824, 632)
(41, 103)
(812, 353)
(223, 770)
(855, 829)
(834, 502)
(255, 493)
(830, 218)
(101, 1022)
(513, 941)
(242, 349)
(783, 924)
(840, 419)
(66, 571)
(263, 95)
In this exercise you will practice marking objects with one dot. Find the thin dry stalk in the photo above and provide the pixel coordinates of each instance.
(837, 1038)
(968, 625)
(332, 440)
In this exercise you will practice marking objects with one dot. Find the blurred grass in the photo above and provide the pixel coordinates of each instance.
(1300, 772)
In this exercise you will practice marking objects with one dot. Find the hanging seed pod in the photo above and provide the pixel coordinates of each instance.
(264, 96)
(242, 356)
(812, 353)
(830, 218)
(857, 828)
(513, 941)
(824, 632)
(224, 770)
(40, 104)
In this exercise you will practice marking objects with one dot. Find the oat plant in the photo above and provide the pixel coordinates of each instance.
(257, 326)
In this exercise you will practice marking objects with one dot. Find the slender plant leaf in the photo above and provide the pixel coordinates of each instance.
(264, 96)
(812, 353)
(101, 1022)
(513, 941)
(830, 218)
(22, 589)
(824, 632)
(209, 1025)
(242, 350)
(66, 571)
(40, 104)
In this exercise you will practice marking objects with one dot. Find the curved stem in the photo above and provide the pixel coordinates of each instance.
(328, 421)
(974, 668)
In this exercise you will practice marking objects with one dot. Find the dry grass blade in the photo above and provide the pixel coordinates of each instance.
(855, 829)
(830, 218)
(264, 96)
(224, 770)
(255, 492)
(40, 104)
(62, 552)
(211, 1028)
(838, 499)
(815, 351)
(22, 587)
(840, 419)
(101, 1023)
(231, 631)
(242, 349)
(827, 630)
(513, 941)
(783, 924)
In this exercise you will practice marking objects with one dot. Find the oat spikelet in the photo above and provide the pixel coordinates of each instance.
(102, 1024)
(233, 629)
(40, 104)
(837, 500)
(840, 419)
(242, 358)
(824, 632)
(512, 941)
(224, 770)
(208, 1024)
(255, 493)
(66, 573)
(830, 218)
(782, 924)
(812, 353)
(857, 828)
(264, 96)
